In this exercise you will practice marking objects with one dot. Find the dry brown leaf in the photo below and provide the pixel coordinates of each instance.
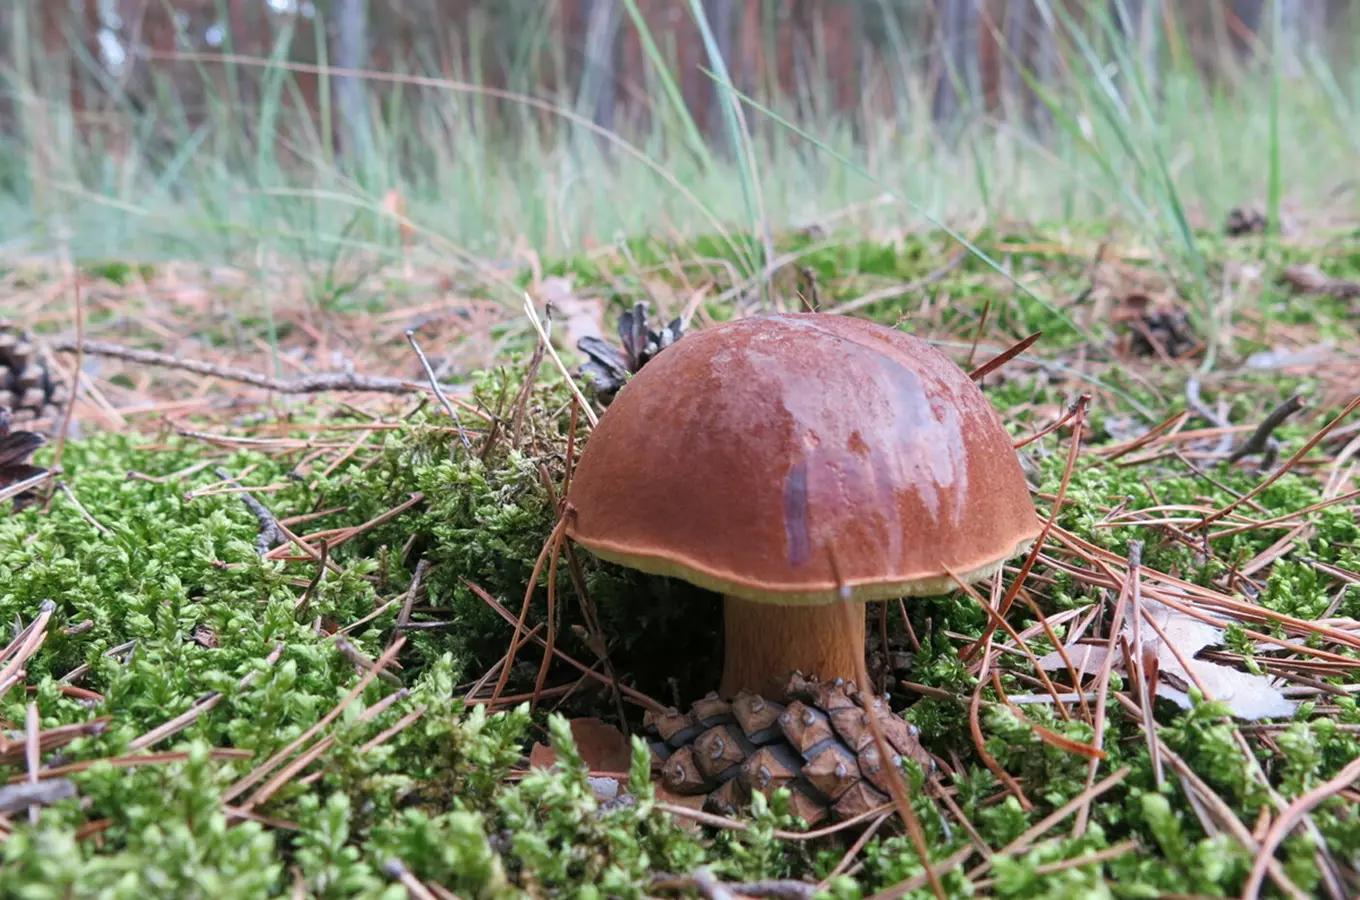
(580, 317)
(606, 749)
(1249, 696)
(602, 746)
(688, 801)
(394, 204)
(1307, 278)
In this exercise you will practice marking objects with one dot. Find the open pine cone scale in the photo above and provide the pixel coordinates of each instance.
(815, 739)
(15, 449)
(27, 387)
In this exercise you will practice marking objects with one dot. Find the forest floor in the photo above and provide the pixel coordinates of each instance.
(259, 626)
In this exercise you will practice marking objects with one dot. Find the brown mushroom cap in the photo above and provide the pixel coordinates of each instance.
(741, 457)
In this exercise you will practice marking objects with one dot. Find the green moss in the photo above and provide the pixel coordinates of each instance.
(178, 573)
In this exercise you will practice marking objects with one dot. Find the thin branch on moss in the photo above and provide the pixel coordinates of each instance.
(31, 756)
(261, 511)
(20, 487)
(307, 384)
(1038, 829)
(417, 583)
(1223, 814)
(136, 761)
(636, 696)
(557, 360)
(77, 373)
(848, 858)
(396, 870)
(1086, 859)
(271, 530)
(1291, 816)
(81, 670)
(24, 645)
(1282, 470)
(917, 881)
(1071, 411)
(481, 683)
(30, 795)
(300, 608)
(519, 407)
(438, 390)
(80, 508)
(1261, 440)
(710, 888)
(1102, 691)
(363, 663)
(53, 738)
(355, 531)
(382, 737)
(715, 821)
(189, 716)
(313, 753)
(1078, 424)
(264, 769)
(1004, 357)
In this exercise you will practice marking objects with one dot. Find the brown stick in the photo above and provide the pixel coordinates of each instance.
(308, 384)
(1260, 439)
(76, 374)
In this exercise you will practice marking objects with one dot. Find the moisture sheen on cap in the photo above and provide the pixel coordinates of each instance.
(743, 456)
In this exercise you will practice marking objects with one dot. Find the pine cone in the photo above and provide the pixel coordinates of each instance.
(609, 368)
(15, 449)
(27, 387)
(815, 740)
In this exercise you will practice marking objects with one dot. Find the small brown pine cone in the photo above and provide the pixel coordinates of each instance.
(28, 388)
(815, 738)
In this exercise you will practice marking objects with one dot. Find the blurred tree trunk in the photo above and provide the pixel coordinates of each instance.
(1138, 22)
(956, 29)
(351, 52)
(1045, 68)
(722, 18)
(1303, 27)
(1250, 16)
(1019, 24)
(599, 87)
(988, 53)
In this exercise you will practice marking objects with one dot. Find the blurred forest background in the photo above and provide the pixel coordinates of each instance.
(106, 94)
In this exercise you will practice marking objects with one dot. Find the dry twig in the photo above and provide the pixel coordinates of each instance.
(307, 384)
(1261, 440)
(439, 391)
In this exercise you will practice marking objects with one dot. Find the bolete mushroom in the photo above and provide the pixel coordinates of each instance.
(746, 455)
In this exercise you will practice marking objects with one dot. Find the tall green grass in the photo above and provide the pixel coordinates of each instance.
(1154, 154)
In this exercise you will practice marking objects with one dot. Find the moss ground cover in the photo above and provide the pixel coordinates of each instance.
(209, 719)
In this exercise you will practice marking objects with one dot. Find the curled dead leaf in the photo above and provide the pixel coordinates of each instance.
(1307, 278)
(1249, 696)
(394, 205)
(688, 801)
(602, 746)
(582, 318)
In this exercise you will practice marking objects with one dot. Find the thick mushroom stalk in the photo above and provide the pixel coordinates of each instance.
(766, 642)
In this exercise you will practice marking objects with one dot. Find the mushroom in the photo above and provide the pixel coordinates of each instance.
(746, 456)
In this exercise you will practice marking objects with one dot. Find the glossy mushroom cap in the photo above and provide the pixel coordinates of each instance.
(743, 456)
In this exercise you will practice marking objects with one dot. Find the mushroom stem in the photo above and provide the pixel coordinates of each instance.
(767, 642)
